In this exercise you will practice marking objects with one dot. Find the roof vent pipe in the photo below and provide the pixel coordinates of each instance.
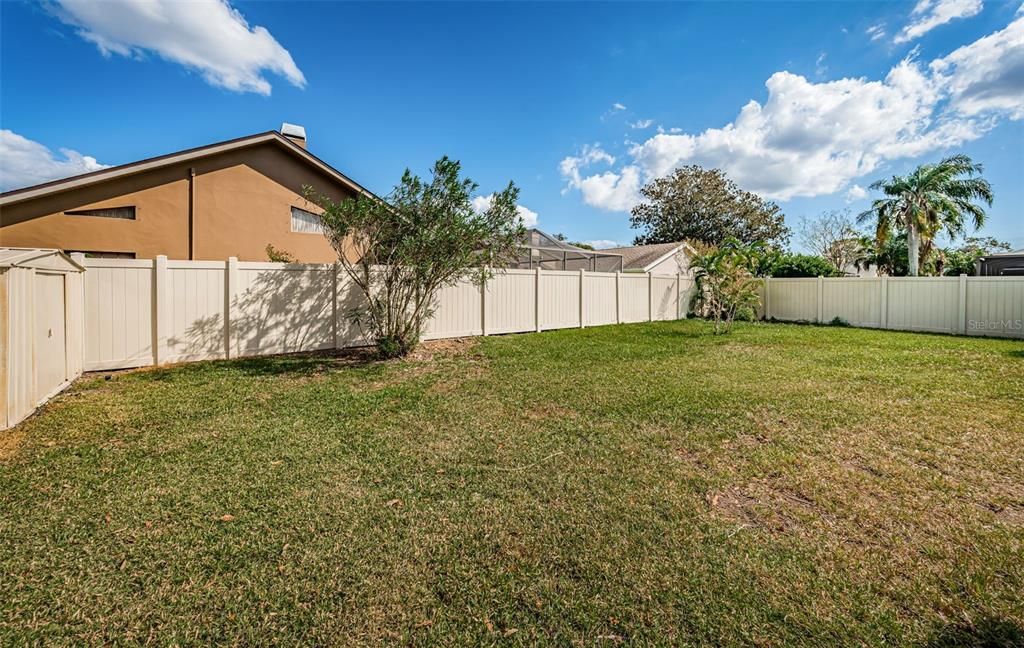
(295, 133)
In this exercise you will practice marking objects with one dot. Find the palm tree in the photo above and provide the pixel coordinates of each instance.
(933, 198)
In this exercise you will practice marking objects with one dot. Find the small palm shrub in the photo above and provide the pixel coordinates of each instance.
(727, 287)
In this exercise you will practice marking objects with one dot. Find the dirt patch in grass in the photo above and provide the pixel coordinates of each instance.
(746, 442)
(860, 465)
(546, 411)
(432, 349)
(768, 506)
(688, 457)
(426, 359)
(10, 441)
(734, 505)
(1012, 514)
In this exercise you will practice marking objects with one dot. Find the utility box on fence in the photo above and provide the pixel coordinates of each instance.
(41, 328)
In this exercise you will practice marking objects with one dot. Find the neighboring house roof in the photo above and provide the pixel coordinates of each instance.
(645, 257)
(1011, 253)
(94, 177)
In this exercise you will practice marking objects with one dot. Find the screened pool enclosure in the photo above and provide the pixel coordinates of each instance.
(540, 250)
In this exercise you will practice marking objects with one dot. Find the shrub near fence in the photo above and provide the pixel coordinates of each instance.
(992, 306)
(140, 312)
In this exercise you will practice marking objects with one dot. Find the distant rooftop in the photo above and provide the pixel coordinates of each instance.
(639, 257)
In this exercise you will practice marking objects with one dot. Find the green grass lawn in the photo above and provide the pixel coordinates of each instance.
(639, 484)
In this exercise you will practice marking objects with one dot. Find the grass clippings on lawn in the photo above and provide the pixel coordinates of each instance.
(641, 484)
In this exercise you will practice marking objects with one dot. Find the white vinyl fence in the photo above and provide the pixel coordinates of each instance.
(963, 305)
(141, 312)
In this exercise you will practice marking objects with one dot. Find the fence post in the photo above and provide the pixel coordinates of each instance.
(79, 258)
(884, 306)
(821, 292)
(767, 300)
(334, 303)
(582, 307)
(650, 297)
(536, 300)
(961, 322)
(483, 307)
(618, 297)
(160, 314)
(230, 286)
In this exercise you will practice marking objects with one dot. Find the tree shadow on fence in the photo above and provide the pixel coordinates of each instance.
(286, 310)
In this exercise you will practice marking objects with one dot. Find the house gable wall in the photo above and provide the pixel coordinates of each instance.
(242, 201)
(678, 263)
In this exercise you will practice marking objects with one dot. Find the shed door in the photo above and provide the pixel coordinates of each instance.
(51, 353)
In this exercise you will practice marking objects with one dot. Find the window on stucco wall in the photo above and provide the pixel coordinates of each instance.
(306, 222)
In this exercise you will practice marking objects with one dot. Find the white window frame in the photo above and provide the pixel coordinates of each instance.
(299, 214)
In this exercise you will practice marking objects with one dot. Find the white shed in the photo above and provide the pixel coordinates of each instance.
(41, 328)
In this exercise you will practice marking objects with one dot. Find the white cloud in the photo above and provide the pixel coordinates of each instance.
(929, 14)
(530, 217)
(856, 192)
(571, 166)
(875, 32)
(24, 163)
(206, 35)
(602, 244)
(613, 111)
(811, 139)
(642, 123)
(609, 190)
(988, 74)
(820, 68)
(612, 191)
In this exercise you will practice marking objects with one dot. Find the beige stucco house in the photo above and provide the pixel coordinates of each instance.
(229, 199)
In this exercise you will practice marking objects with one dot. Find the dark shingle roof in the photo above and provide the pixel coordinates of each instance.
(641, 256)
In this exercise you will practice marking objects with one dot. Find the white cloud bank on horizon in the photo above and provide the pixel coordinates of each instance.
(929, 14)
(812, 139)
(209, 36)
(530, 217)
(24, 162)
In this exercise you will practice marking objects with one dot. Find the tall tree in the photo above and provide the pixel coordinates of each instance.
(400, 252)
(832, 236)
(703, 205)
(933, 198)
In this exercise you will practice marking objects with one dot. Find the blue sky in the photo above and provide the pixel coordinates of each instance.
(579, 104)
